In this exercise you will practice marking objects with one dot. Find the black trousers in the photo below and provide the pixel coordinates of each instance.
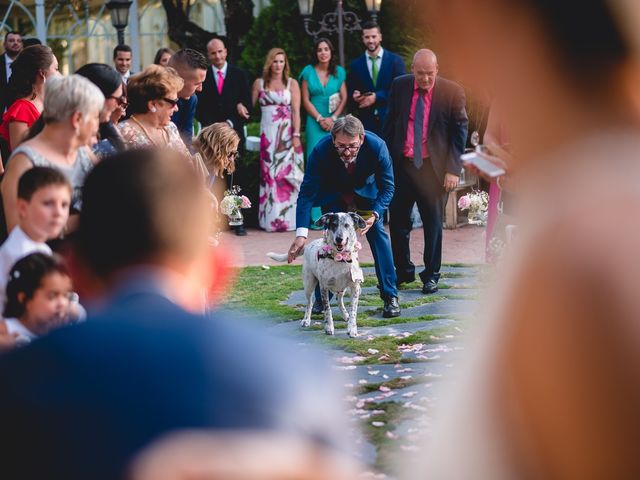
(423, 187)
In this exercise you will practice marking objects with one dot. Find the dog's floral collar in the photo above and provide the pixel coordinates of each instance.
(347, 256)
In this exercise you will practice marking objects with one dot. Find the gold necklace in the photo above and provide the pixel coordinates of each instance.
(139, 123)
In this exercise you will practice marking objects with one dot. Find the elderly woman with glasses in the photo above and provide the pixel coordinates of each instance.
(108, 80)
(72, 107)
(153, 98)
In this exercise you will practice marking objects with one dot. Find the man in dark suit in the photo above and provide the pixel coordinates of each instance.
(370, 77)
(89, 397)
(225, 95)
(426, 129)
(12, 47)
(351, 171)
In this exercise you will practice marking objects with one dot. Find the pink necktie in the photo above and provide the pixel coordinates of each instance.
(220, 82)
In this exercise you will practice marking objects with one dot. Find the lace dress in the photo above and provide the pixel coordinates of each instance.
(134, 136)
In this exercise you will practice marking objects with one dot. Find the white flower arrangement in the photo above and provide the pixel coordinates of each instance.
(233, 202)
(477, 203)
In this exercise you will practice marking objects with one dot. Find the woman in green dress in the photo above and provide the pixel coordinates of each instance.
(324, 96)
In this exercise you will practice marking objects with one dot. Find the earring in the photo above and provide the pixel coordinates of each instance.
(153, 110)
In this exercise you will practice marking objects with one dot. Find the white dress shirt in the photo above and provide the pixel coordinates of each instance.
(8, 61)
(24, 335)
(17, 245)
(216, 70)
(370, 62)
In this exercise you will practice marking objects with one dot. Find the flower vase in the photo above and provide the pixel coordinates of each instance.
(236, 218)
(477, 218)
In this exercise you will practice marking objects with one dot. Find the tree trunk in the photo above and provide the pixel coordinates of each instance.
(238, 18)
(183, 31)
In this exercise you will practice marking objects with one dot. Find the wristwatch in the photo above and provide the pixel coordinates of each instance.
(375, 214)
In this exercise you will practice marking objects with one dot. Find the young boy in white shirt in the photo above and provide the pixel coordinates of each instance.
(44, 196)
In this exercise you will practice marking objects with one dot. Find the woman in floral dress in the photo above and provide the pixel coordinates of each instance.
(281, 158)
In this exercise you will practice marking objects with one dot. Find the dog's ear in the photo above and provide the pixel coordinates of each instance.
(358, 220)
(324, 220)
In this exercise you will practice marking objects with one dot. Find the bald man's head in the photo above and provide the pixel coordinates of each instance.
(425, 68)
(217, 52)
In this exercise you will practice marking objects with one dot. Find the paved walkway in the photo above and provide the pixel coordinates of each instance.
(463, 245)
(394, 398)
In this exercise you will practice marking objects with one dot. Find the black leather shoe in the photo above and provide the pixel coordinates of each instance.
(405, 279)
(317, 308)
(430, 287)
(240, 231)
(391, 308)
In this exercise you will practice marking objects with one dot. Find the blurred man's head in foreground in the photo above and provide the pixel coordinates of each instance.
(143, 208)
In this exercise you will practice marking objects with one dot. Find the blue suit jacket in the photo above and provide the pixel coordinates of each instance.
(326, 179)
(392, 66)
(184, 117)
(87, 398)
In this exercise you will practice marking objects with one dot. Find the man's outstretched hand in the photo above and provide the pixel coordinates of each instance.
(296, 248)
(370, 222)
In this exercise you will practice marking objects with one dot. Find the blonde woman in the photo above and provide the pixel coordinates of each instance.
(217, 151)
(281, 158)
(153, 98)
(217, 147)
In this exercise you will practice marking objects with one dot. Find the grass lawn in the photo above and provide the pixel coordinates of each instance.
(265, 292)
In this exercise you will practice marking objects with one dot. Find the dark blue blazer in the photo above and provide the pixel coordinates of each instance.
(81, 402)
(183, 118)
(326, 179)
(392, 66)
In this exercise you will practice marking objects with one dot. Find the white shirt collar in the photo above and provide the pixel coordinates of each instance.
(125, 77)
(16, 326)
(223, 70)
(380, 53)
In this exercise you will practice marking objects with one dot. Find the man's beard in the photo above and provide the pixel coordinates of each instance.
(373, 48)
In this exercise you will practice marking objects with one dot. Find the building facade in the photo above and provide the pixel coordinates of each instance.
(80, 31)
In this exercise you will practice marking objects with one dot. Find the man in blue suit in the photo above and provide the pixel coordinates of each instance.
(348, 171)
(82, 402)
(370, 77)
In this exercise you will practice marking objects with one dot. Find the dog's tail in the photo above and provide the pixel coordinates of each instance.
(278, 257)
(282, 257)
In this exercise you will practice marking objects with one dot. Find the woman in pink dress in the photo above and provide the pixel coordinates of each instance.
(29, 73)
(281, 157)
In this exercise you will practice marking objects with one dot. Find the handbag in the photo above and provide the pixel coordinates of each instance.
(334, 101)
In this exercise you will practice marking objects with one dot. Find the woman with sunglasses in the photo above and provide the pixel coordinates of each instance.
(108, 80)
(153, 98)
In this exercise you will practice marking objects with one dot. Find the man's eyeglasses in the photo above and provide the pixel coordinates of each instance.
(171, 101)
(344, 148)
(122, 100)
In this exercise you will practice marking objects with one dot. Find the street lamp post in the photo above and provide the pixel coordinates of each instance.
(119, 10)
(338, 21)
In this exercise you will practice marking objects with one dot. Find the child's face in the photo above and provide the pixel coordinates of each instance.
(46, 214)
(49, 306)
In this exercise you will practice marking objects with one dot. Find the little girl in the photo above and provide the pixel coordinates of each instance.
(39, 297)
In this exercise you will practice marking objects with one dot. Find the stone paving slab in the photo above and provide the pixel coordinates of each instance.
(469, 271)
(444, 308)
(298, 298)
(425, 372)
(409, 327)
